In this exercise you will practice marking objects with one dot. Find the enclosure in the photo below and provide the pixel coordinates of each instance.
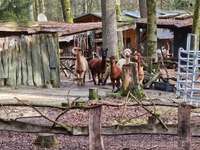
(29, 56)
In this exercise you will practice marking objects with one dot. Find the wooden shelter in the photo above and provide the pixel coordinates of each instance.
(179, 25)
(125, 25)
(29, 55)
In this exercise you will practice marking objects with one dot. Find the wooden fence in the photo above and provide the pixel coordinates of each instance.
(31, 60)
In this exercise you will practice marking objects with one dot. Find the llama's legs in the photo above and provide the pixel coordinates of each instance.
(78, 79)
(82, 78)
(94, 78)
(117, 85)
(99, 78)
(113, 84)
(106, 75)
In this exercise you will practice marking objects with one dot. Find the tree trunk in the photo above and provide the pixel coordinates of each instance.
(67, 11)
(90, 6)
(196, 18)
(35, 9)
(151, 32)
(184, 129)
(118, 10)
(143, 8)
(130, 81)
(75, 8)
(151, 28)
(38, 7)
(143, 14)
(84, 6)
(41, 6)
(120, 41)
(109, 26)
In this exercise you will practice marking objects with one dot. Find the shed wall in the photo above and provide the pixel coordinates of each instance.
(30, 60)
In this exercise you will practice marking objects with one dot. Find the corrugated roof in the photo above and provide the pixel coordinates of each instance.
(61, 28)
(160, 13)
(171, 22)
(123, 17)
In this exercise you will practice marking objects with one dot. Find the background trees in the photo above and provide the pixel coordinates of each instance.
(67, 11)
(15, 10)
(109, 26)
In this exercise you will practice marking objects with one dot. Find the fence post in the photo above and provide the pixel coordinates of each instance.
(184, 130)
(95, 139)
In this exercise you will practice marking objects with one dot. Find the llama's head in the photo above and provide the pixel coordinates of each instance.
(76, 50)
(112, 60)
(137, 56)
(127, 52)
(104, 53)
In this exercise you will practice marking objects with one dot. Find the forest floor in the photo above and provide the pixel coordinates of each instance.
(10, 140)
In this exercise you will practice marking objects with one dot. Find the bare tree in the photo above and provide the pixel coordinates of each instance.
(143, 8)
(67, 11)
(109, 26)
(151, 28)
(196, 20)
(38, 7)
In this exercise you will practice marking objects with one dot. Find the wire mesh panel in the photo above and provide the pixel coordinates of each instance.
(188, 75)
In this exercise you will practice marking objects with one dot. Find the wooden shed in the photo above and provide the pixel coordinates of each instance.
(125, 25)
(179, 25)
(89, 17)
(29, 55)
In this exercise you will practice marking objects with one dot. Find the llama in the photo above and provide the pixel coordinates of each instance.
(98, 67)
(138, 59)
(126, 60)
(81, 65)
(127, 54)
(115, 74)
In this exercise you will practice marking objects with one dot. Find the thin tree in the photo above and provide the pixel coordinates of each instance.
(118, 9)
(151, 30)
(143, 14)
(109, 26)
(196, 19)
(38, 7)
(143, 8)
(67, 11)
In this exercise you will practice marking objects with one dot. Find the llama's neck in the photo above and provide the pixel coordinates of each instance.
(128, 60)
(103, 61)
(112, 66)
(78, 59)
(103, 64)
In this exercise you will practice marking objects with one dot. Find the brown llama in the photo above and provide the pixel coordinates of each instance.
(81, 65)
(115, 74)
(98, 67)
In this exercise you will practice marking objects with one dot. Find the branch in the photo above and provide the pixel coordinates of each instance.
(66, 127)
(62, 113)
(85, 105)
(162, 123)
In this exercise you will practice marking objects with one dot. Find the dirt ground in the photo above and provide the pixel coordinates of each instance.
(24, 141)
(10, 140)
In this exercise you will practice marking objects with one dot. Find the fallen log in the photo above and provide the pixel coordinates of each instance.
(25, 127)
(79, 104)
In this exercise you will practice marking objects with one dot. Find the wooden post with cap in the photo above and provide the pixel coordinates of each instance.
(95, 139)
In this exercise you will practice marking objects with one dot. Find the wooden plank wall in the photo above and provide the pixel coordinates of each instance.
(30, 60)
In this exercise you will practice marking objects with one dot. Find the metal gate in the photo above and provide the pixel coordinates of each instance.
(188, 74)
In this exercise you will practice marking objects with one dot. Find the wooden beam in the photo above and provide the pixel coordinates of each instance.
(95, 139)
(184, 128)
